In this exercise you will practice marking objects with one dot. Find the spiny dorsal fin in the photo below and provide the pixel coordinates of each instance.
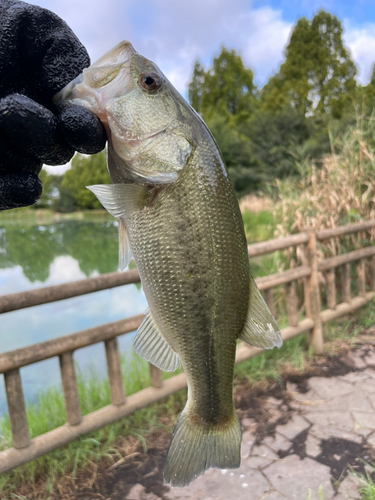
(151, 345)
(124, 250)
(260, 328)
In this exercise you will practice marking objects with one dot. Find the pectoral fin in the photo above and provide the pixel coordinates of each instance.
(122, 200)
(124, 250)
(151, 345)
(260, 328)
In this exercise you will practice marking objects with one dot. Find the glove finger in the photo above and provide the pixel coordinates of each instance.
(33, 128)
(19, 190)
(82, 130)
(64, 60)
(13, 159)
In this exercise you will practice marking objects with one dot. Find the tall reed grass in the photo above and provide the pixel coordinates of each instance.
(339, 191)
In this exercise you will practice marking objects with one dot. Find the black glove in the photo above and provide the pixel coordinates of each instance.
(39, 55)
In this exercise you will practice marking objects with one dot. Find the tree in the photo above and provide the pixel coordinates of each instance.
(93, 245)
(275, 140)
(65, 202)
(50, 191)
(226, 88)
(85, 171)
(195, 87)
(318, 75)
(37, 255)
(365, 95)
(236, 149)
(225, 96)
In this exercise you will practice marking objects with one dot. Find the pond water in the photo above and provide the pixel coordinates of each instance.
(36, 255)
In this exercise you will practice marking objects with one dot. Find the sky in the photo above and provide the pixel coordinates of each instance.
(174, 33)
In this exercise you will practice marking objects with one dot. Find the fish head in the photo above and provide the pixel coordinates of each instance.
(149, 138)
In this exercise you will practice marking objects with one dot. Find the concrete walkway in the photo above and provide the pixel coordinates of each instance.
(332, 425)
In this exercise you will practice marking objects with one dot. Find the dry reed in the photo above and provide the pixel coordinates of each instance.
(255, 204)
(340, 191)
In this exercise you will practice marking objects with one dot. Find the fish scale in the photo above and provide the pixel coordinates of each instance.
(212, 303)
(180, 219)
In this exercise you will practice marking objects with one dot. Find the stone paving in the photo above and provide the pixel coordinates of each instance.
(332, 424)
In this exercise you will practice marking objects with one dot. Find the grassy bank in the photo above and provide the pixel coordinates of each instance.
(366, 483)
(259, 224)
(63, 465)
(30, 216)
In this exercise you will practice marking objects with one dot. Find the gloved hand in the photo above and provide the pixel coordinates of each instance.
(39, 55)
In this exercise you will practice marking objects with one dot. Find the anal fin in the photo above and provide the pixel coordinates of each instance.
(151, 345)
(260, 328)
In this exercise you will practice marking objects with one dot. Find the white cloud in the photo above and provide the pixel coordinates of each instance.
(181, 36)
(63, 270)
(267, 37)
(361, 42)
(12, 280)
(99, 25)
(173, 34)
(59, 169)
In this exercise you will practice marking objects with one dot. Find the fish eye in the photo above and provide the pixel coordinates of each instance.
(150, 81)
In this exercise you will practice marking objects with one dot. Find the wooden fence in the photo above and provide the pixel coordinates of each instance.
(25, 449)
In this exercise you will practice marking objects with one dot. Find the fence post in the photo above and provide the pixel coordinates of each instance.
(312, 293)
(69, 382)
(16, 408)
(291, 303)
(156, 377)
(372, 274)
(345, 282)
(361, 278)
(114, 372)
(268, 295)
(331, 288)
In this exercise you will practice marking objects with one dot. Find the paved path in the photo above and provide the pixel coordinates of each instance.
(331, 425)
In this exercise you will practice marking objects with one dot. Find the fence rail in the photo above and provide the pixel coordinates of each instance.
(25, 449)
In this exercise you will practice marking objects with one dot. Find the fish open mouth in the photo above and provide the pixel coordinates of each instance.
(89, 89)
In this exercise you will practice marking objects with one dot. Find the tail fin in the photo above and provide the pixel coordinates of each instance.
(195, 448)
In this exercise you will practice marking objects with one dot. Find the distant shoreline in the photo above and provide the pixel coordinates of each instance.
(248, 203)
(44, 215)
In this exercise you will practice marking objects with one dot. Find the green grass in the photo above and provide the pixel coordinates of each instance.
(258, 226)
(269, 365)
(366, 482)
(320, 494)
(30, 216)
(48, 412)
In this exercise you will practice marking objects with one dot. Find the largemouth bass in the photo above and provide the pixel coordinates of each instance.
(180, 220)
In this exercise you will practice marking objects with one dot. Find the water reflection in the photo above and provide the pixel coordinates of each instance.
(46, 255)
(92, 245)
